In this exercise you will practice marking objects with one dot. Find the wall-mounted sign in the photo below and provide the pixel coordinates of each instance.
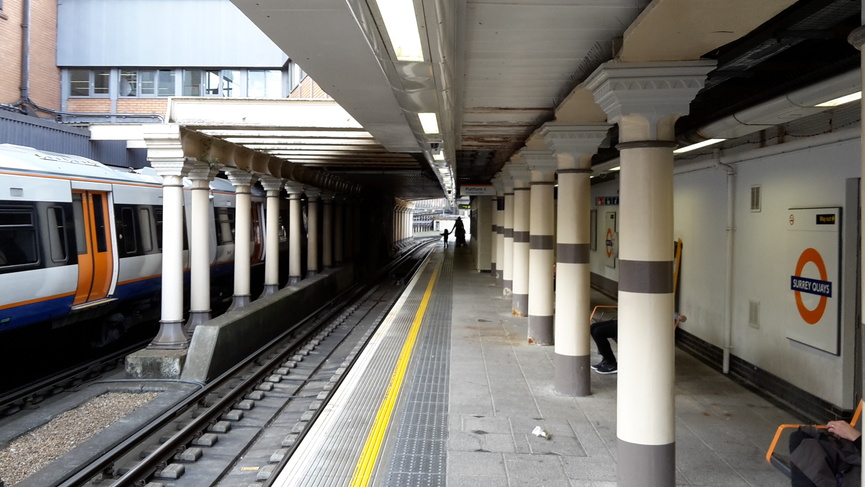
(813, 263)
(606, 201)
(477, 190)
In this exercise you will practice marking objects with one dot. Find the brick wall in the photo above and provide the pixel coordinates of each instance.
(143, 105)
(44, 83)
(308, 88)
(89, 105)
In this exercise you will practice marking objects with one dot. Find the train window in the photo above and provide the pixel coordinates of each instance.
(145, 222)
(17, 236)
(157, 217)
(80, 233)
(126, 231)
(57, 233)
(224, 226)
(99, 222)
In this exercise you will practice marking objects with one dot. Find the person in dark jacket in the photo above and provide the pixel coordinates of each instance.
(826, 457)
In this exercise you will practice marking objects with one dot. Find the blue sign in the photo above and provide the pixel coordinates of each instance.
(811, 286)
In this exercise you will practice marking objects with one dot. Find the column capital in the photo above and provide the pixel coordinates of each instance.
(497, 183)
(857, 37)
(270, 183)
(240, 177)
(519, 171)
(203, 171)
(327, 196)
(653, 90)
(574, 139)
(541, 161)
(293, 187)
(313, 193)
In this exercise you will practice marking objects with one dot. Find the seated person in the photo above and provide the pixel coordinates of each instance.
(826, 457)
(604, 331)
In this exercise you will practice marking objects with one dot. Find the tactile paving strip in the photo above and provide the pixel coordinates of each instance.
(418, 456)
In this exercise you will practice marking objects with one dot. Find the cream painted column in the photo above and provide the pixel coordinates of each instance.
(494, 230)
(498, 183)
(327, 231)
(242, 181)
(508, 261)
(645, 99)
(338, 228)
(166, 157)
(522, 202)
(857, 39)
(541, 252)
(200, 255)
(313, 195)
(295, 227)
(272, 186)
(573, 146)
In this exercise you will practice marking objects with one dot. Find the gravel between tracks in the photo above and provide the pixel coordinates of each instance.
(34, 450)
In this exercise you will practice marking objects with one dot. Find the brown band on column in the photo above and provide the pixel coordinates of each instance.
(509, 233)
(520, 304)
(541, 330)
(522, 188)
(521, 237)
(572, 377)
(646, 276)
(574, 171)
(543, 183)
(646, 465)
(572, 253)
(647, 144)
(541, 242)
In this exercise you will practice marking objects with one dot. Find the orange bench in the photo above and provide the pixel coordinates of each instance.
(782, 462)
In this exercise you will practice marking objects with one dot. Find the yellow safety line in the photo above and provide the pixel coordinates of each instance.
(366, 463)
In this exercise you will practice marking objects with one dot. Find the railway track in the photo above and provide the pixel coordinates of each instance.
(238, 427)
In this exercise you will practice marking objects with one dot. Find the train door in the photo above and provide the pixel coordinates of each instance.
(257, 254)
(95, 252)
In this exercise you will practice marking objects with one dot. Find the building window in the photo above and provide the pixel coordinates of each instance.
(84, 82)
(146, 82)
(264, 84)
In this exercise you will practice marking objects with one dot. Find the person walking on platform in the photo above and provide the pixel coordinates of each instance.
(445, 236)
(826, 457)
(604, 331)
(460, 231)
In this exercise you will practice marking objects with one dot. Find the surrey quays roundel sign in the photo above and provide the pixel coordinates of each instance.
(812, 271)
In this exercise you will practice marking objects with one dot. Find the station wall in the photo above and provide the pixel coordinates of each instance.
(802, 174)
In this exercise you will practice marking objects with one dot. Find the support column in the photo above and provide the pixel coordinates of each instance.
(327, 231)
(173, 168)
(242, 181)
(645, 99)
(295, 227)
(200, 255)
(338, 229)
(541, 255)
(498, 183)
(857, 39)
(313, 196)
(494, 230)
(573, 146)
(522, 201)
(508, 261)
(272, 186)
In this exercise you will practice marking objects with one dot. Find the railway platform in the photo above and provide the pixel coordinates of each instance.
(474, 404)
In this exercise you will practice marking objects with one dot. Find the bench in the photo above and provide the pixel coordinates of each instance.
(782, 461)
(679, 318)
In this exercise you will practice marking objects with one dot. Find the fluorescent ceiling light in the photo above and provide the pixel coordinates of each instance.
(401, 24)
(438, 156)
(617, 168)
(841, 100)
(698, 145)
(429, 122)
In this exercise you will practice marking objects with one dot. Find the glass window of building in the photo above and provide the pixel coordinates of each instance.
(166, 82)
(79, 82)
(101, 80)
(264, 83)
(230, 85)
(147, 82)
(128, 83)
(192, 82)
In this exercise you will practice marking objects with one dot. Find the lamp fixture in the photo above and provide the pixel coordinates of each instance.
(840, 100)
(400, 21)
(429, 122)
(698, 145)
